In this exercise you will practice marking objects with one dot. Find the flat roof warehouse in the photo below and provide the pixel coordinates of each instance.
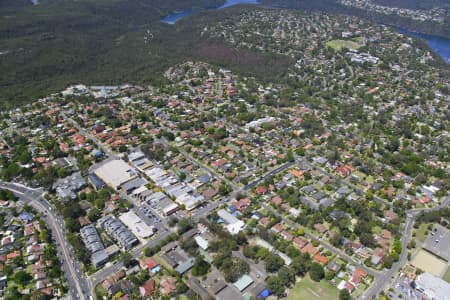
(115, 173)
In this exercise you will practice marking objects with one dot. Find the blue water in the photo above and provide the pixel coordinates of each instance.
(440, 45)
(229, 3)
(174, 17)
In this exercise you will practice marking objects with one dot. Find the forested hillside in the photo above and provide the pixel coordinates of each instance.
(43, 47)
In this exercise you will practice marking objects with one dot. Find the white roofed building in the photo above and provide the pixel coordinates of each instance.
(137, 226)
(234, 225)
(433, 287)
(115, 173)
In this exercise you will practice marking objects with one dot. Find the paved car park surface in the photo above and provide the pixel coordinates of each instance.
(438, 242)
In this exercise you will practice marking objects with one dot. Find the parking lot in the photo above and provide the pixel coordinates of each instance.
(149, 214)
(438, 242)
(149, 218)
(401, 289)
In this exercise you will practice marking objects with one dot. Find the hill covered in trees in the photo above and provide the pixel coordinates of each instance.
(45, 47)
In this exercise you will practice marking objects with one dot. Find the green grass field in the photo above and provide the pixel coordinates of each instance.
(421, 233)
(447, 276)
(338, 45)
(308, 289)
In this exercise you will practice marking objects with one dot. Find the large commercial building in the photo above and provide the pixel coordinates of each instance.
(433, 287)
(93, 243)
(115, 173)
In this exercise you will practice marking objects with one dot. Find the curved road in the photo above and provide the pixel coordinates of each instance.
(77, 283)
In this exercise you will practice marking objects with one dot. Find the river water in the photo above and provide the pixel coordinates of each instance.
(439, 44)
(174, 17)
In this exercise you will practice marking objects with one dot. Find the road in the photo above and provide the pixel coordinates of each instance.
(381, 283)
(79, 287)
(90, 136)
(269, 174)
(108, 270)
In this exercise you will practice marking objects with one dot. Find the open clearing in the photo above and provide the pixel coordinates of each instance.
(422, 232)
(308, 289)
(429, 263)
(338, 45)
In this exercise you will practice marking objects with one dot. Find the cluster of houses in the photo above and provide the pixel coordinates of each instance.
(435, 14)
(23, 250)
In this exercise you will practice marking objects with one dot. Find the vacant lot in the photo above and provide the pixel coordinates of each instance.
(308, 289)
(338, 45)
(429, 263)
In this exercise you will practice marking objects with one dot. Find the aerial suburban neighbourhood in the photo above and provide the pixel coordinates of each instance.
(216, 185)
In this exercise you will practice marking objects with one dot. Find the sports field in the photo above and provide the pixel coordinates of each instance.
(308, 289)
(429, 263)
(338, 45)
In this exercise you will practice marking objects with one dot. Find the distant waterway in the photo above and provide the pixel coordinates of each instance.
(175, 16)
(439, 44)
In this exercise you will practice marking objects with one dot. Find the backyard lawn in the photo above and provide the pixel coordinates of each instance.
(308, 289)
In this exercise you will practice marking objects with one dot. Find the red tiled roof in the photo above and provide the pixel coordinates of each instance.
(344, 170)
(359, 273)
(261, 190)
(389, 214)
(300, 243)
(277, 227)
(310, 249)
(264, 221)
(147, 288)
(277, 200)
(350, 287)
(321, 259)
(151, 263)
